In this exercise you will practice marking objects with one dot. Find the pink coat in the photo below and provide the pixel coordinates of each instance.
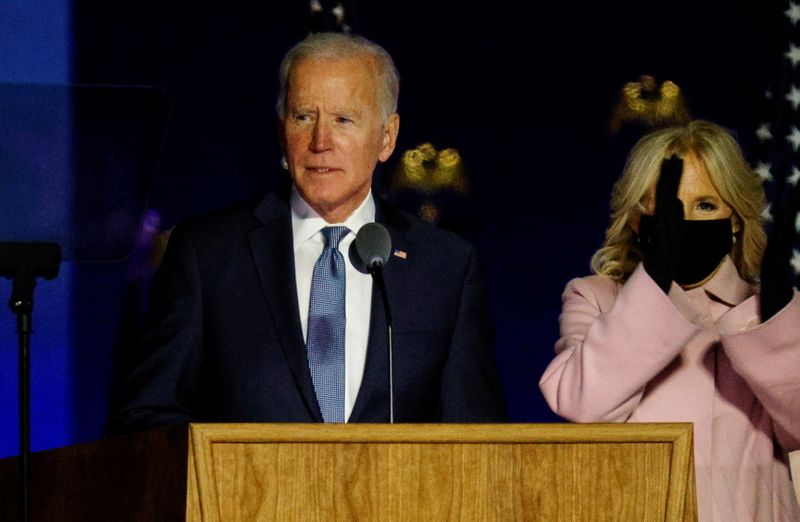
(630, 353)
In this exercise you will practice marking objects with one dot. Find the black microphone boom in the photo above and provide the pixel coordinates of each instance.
(373, 246)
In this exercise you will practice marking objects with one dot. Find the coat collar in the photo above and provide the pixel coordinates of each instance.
(727, 286)
(271, 246)
(375, 382)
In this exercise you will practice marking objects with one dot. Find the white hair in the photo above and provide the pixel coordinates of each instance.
(341, 45)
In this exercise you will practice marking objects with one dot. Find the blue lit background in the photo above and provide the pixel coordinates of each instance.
(525, 95)
(35, 47)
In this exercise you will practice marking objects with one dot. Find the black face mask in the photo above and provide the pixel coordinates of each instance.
(705, 244)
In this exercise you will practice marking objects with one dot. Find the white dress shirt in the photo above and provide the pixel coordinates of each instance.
(308, 245)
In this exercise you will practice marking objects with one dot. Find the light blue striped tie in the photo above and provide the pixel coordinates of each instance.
(326, 321)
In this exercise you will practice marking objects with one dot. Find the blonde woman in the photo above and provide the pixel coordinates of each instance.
(672, 326)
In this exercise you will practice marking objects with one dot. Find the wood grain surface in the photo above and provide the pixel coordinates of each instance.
(444, 472)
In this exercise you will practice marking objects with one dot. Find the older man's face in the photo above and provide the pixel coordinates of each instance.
(332, 133)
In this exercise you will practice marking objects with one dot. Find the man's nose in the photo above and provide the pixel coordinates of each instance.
(321, 139)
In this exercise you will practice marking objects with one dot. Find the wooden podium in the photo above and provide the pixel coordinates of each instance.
(414, 472)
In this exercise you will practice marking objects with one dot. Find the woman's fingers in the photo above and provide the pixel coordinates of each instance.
(668, 182)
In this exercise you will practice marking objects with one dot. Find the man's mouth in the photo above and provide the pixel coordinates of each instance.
(321, 170)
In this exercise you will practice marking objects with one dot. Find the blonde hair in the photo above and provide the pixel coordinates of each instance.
(720, 156)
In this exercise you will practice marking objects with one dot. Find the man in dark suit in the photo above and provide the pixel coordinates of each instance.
(257, 313)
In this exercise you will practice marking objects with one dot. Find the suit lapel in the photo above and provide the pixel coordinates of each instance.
(272, 248)
(376, 377)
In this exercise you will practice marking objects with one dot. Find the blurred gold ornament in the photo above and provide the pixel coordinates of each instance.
(427, 170)
(649, 103)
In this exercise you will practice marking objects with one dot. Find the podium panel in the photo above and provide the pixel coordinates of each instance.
(410, 472)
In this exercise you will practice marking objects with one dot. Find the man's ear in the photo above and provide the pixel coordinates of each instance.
(390, 131)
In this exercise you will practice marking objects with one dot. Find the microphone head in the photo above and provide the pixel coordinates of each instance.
(373, 246)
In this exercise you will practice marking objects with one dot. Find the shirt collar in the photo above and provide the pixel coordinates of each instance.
(727, 285)
(306, 222)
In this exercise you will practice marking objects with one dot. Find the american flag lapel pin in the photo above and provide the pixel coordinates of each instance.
(400, 253)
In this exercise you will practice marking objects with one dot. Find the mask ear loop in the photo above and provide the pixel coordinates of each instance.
(736, 226)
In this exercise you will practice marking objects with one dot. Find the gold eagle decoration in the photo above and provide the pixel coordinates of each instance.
(649, 103)
(428, 171)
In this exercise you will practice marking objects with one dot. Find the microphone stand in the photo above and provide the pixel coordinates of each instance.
(377, 276)
(23, 263)
(372, 247)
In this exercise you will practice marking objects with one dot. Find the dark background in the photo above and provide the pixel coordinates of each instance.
(523, 92)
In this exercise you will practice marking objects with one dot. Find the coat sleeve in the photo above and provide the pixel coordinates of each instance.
(160, 384)
(605, 357)
(767, 356)
(471, 389)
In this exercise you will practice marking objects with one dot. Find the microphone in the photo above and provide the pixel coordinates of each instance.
(372, 248)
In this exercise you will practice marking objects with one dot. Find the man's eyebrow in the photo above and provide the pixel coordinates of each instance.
(345, 111)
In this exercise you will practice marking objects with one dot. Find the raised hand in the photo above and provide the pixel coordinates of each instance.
(777, 275)
(661, 235)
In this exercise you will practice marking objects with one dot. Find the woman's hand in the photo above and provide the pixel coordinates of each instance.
(661, 234)
(777, 275)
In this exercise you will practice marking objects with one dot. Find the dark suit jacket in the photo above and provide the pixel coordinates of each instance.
(224, 343)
